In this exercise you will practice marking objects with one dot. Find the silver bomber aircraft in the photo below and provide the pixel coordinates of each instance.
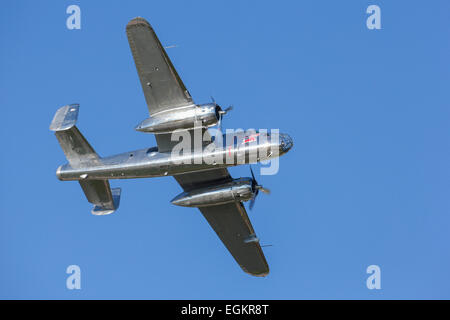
(207, 185)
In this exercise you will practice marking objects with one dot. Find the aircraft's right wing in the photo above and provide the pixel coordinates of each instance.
(230, 222)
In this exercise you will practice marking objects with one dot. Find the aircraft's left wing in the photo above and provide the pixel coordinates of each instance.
(230, 222)
(162, 86)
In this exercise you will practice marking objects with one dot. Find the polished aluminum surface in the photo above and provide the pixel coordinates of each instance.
(189, 117)
(80, 154)
(201, 171)
(149, 162)
(236, 190)
(162, 86)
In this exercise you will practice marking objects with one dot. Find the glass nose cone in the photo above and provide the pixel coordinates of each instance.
(286, 143)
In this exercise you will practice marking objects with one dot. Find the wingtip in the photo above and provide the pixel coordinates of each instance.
(138, 21)
(262, 273)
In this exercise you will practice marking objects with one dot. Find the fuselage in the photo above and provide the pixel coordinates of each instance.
(148, 162)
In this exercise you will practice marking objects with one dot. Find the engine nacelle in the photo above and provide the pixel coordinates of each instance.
(205, 116)
(236, 190)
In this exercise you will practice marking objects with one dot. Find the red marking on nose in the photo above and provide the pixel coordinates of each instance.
(251, 138)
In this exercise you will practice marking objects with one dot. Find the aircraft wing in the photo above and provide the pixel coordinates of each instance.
(230, 222)
(163, 88)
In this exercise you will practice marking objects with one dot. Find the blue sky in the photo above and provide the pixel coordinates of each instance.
(367, 181)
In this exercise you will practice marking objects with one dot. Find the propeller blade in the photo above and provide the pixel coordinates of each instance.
(253, 176)
(228, 109)
(256, 187)
(219, 123)
(220, 112)
(265, 190)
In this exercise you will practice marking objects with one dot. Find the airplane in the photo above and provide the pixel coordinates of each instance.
(207, 185)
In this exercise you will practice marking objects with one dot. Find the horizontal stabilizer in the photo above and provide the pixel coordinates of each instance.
(99, 193)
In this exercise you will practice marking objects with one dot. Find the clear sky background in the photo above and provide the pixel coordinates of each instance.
(367, 181)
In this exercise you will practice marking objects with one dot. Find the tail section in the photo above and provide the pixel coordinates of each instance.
(80, 154)
(76, 148)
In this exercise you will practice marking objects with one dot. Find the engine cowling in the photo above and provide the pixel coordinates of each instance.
(205, 116)
(236, 190)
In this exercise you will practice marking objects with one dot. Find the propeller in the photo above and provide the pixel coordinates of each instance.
(221, 112)
(256, 188)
